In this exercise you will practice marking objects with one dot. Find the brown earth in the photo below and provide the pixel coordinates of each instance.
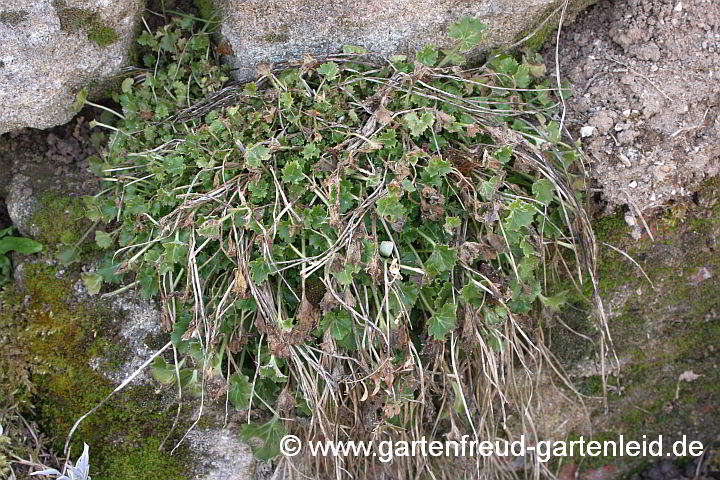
(646, 79)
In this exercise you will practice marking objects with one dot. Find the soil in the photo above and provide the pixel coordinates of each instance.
(63, 149)
(646, 97)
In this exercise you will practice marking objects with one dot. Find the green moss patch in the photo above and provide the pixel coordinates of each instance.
(664, 332)
(59, 337)
(74, 19)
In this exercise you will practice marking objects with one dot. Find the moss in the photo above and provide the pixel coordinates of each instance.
(570, 348)
(60, 338)
(275, 38)
(658, 333)
(59, 219)
(13, 17)
(593, 385)
(76, 19)
(103, 35)
(611, 229)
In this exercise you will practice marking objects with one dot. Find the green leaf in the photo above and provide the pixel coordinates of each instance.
(5, 269)
(427, 56)
(269, 433)
(182, 322)
(210, 228)
(451, 224)
(255, 156)
(505, 64)
(68, 254)
(521, 215)
(390, 207)
(527, 266)
(488, 188)
(191, 382)
(310, 151)
(293, 172)
(127, 84)
(339, 323)
(259, 189)
(20, 245)
(176, 252)
(240, 391)
(345, 276)
(103, 239)
(468, 32)
(543, 190)
(522, 76)
(418, 124)
(443, 321)
(495, 342)
(260, 270)
(329, 70)
(80, 100)
(163, 372)
(437, 168)
(442, 259)
(523, 295)
(472, 294)
(93, 282)
(286, 99)
(556, 301)
(272, 371)
(504, 154)
(148, 281)
(453, 57)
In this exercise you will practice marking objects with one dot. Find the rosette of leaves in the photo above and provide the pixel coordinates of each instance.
(342, 235)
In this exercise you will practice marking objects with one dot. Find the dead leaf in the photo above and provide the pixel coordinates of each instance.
(383, 115)
(471, 251)
(285, 402)
(307, 317)
(688, 376)
(703, 273)
(473, 130)
(240, 286)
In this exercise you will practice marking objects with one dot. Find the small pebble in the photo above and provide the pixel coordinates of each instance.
(587, 131)
(633, 184)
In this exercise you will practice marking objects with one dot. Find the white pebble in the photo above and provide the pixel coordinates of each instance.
(587, 131)
(633, 184)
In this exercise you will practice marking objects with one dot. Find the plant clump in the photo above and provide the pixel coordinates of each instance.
(351, 244)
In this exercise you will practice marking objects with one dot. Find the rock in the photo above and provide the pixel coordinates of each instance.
(21, 204)
(603, 121)
(224, 456)
(278, 30)
(587, 131)
(50, 49)
(649, 52)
